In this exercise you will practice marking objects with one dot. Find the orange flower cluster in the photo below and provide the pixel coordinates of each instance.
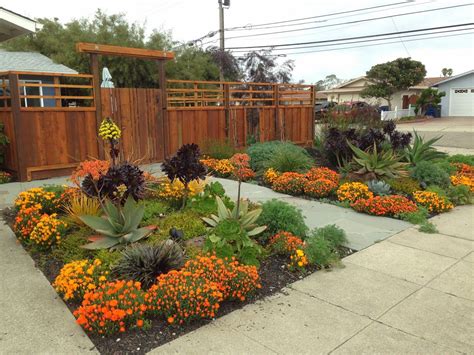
(285, 243)
(25, 221)
(78, 277)
(464, 176)
(289, 183)
(95, 168)
(432, 201)
(241, 163)
(44, 201)
(219, 167)
(298, 260)
(384, 205)
(323, 173)
(319, 188)
(353, 191)
(112, 307)
(48, 231)
(235, 281)
(270, 175)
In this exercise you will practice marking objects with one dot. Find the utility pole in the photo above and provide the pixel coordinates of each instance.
(222, 3)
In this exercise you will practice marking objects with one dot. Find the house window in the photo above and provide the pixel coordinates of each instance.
(32, 91)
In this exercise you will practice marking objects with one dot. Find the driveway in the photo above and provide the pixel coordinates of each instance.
(457, 132)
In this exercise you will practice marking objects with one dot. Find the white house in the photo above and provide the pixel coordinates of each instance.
(459, 99)
(350, 92)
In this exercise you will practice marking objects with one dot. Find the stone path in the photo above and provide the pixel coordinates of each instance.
(411, 293)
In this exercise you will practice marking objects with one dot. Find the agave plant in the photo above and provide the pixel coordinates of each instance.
(422, 151)
(379, 187)
(378, 164)
(118, 227)
(245, 217)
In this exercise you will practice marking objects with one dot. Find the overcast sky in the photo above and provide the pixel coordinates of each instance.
(191, 19)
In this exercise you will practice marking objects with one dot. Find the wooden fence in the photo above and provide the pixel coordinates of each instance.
(52, 124)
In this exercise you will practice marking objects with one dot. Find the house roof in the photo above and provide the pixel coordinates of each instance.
(31, 62)
(444, 80)
(427, 82)
(13, 24)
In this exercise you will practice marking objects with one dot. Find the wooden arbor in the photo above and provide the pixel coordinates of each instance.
(94, 50)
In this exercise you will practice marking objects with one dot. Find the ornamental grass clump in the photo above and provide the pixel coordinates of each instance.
(48, 231)
(391, 205)
(112, 307)
(78, 277)
(432, 201)
(290, 183)
(353, 191)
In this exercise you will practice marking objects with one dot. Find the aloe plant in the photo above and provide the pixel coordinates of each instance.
(118, 227)
(384, 163)
(422, 151)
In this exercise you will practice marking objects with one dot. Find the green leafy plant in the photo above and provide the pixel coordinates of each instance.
(428, 227)
(322, 245)
(119, 226)
(185, 166)
(205, 203)
(405, 185)
(428, 173)
(460, 195)
(289, 160)
(232, 231)
(379, 187)
(418, 217)
(422, 150)
(461, 158)
(145, 262)
(154, 208)
(218, 149)
(281, 216)
(378, 164)
(187, 221)
(261, 153)
(428, 97)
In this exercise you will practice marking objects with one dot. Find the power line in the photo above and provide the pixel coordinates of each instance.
(319, 16)
(378, 44)
(370, 40)
(350, 22)
(276, 46)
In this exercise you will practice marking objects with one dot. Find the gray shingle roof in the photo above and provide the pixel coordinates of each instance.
(32, 62)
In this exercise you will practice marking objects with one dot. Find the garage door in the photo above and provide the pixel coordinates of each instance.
(462, 102)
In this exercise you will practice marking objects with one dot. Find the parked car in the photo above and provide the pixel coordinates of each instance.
(322, 108)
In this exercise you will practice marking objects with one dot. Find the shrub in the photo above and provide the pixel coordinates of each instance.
(379, 187)
(321, 246)
(391, 205)
(261, 153)
(285, 243)
(461, 159)
(49, 231)
(289, 183)
(353, 191)
(270, 175)
(319, 188)
(333, 234)
(429, 173)
(78, 277)
(218, 167)
(404, 185)
(289, 160)
(432, 201)
(417, 217)
(81, 205)
(112, 308)
(460, 195)
(44, 201)
(25, 221)
(281, 216)
(218, 149)
(145, 262)
(323, 173)
(154, 208)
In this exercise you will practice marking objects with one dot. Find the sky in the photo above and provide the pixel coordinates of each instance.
(191, 19)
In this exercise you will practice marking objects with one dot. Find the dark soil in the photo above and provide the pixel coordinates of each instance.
(274, 276)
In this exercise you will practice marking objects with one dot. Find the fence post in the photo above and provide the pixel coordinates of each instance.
(97, 99)
(164, 106)
(17, 129)
(227, 110)
(276, 98)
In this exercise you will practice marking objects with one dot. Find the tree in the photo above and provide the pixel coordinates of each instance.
(428, 97)
(261, 67)
(230, 64)
(388, 78)
(447, 72)
(329, 82)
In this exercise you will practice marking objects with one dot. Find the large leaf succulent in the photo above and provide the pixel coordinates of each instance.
(422, 150)
(118, 227)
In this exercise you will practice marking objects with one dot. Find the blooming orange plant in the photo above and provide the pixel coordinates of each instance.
(432, 201)
(464, 176)
(319, 188)
(45, 201)
(219, 167)
(270, 175)
(112, 307)
(95, 168)
(385, 205)
(241, 163)
(78, 277)
(289, 183)
(323, 173)
(298, 260)
(48, 231)
(25, 221)
(285, 243)
(353, 191)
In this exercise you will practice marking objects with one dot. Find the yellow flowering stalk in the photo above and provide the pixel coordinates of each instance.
(109, 130)
(78, 277)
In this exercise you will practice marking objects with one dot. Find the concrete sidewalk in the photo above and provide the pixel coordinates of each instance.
(412, 293)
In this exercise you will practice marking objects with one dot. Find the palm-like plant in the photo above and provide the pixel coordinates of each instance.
(422, 151)
(119, 227)
(379, 164)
